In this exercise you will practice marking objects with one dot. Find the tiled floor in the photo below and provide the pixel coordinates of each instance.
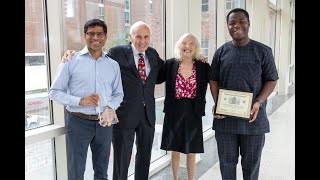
(278, 158)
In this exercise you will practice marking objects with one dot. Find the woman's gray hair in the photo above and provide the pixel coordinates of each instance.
(177, 53)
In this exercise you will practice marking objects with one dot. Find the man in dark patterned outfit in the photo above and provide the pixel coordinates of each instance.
(242, 65)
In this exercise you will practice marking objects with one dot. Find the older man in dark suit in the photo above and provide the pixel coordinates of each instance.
(139, 65)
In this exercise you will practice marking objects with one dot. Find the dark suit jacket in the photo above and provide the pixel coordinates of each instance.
(168, 73)
(131, 110)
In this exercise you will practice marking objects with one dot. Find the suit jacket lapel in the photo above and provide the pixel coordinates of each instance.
(152, 62)
(132, 64)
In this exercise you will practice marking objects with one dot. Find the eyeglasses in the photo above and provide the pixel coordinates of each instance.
(92, 34)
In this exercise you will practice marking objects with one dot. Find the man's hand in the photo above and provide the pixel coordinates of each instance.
(254, 111)
(67, 55)
(107, 116)
(92, 99)
(204, 59)
(217, 116)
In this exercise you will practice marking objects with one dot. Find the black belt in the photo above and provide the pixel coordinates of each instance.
(85, 116)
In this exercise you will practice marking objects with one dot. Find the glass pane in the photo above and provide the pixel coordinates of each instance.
(156, 151)
(39, 161)
(209, 44)
(36, 77)
(208, 30)
(291, 74)
(228, 4)
(208, 118)
(271, 30)
(119, 16)
(273, 2)
(205, 8)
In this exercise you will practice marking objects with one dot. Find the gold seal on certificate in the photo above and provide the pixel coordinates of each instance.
(234, 103)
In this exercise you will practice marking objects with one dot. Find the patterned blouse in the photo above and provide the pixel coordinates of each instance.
(186, 88)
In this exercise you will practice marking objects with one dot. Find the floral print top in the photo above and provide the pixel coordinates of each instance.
(186, 88)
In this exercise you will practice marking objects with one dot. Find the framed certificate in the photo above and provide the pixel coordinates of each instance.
(234, 103)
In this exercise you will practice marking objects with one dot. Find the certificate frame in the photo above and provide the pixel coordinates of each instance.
(234, 103)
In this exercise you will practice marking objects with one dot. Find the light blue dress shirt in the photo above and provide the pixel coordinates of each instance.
(81, 76)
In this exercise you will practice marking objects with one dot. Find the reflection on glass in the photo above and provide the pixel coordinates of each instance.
(39, 161)
(273, 2)
(36, 84)
(271, 30)
(208, 29)
(208, 47)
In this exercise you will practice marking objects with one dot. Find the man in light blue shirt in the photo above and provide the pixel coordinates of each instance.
(90, 87)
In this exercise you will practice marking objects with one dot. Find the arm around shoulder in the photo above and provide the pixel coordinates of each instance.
(117, 89)
(162, 72)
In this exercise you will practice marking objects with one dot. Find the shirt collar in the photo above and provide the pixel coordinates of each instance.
(85, 50)
(135, 51)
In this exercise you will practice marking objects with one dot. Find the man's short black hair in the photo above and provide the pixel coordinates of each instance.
(94, 23)
(238, 10)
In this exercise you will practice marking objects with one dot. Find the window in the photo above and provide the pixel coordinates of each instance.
(150, 7)
(271, 30)
(36, 74)
(292, 46)
(127, 4)
(127, 29)
(101, 8)
(273, 2)
(40, 161)
(208, 47)
(34, 59)
(231, 4)
(205, 5)
(205, 47)
(36, 91)
(69, 6)
(39, 157)
(126, 17)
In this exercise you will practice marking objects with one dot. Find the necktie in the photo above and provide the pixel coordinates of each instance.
(142, 67)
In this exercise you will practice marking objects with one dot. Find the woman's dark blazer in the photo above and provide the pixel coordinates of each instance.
(168, 73)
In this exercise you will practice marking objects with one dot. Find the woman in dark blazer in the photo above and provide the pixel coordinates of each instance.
(184, 105)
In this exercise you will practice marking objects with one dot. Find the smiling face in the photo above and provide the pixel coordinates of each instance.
(95, 38)
(188, 47)
(238, 26)
(140, 36)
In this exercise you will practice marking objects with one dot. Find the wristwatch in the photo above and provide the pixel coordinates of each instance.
(258, 100)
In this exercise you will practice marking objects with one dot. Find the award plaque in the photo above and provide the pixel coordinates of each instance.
(234, 103)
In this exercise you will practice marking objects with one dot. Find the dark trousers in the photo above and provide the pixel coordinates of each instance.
(122, 141)
(80, 134)
(250, 147)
